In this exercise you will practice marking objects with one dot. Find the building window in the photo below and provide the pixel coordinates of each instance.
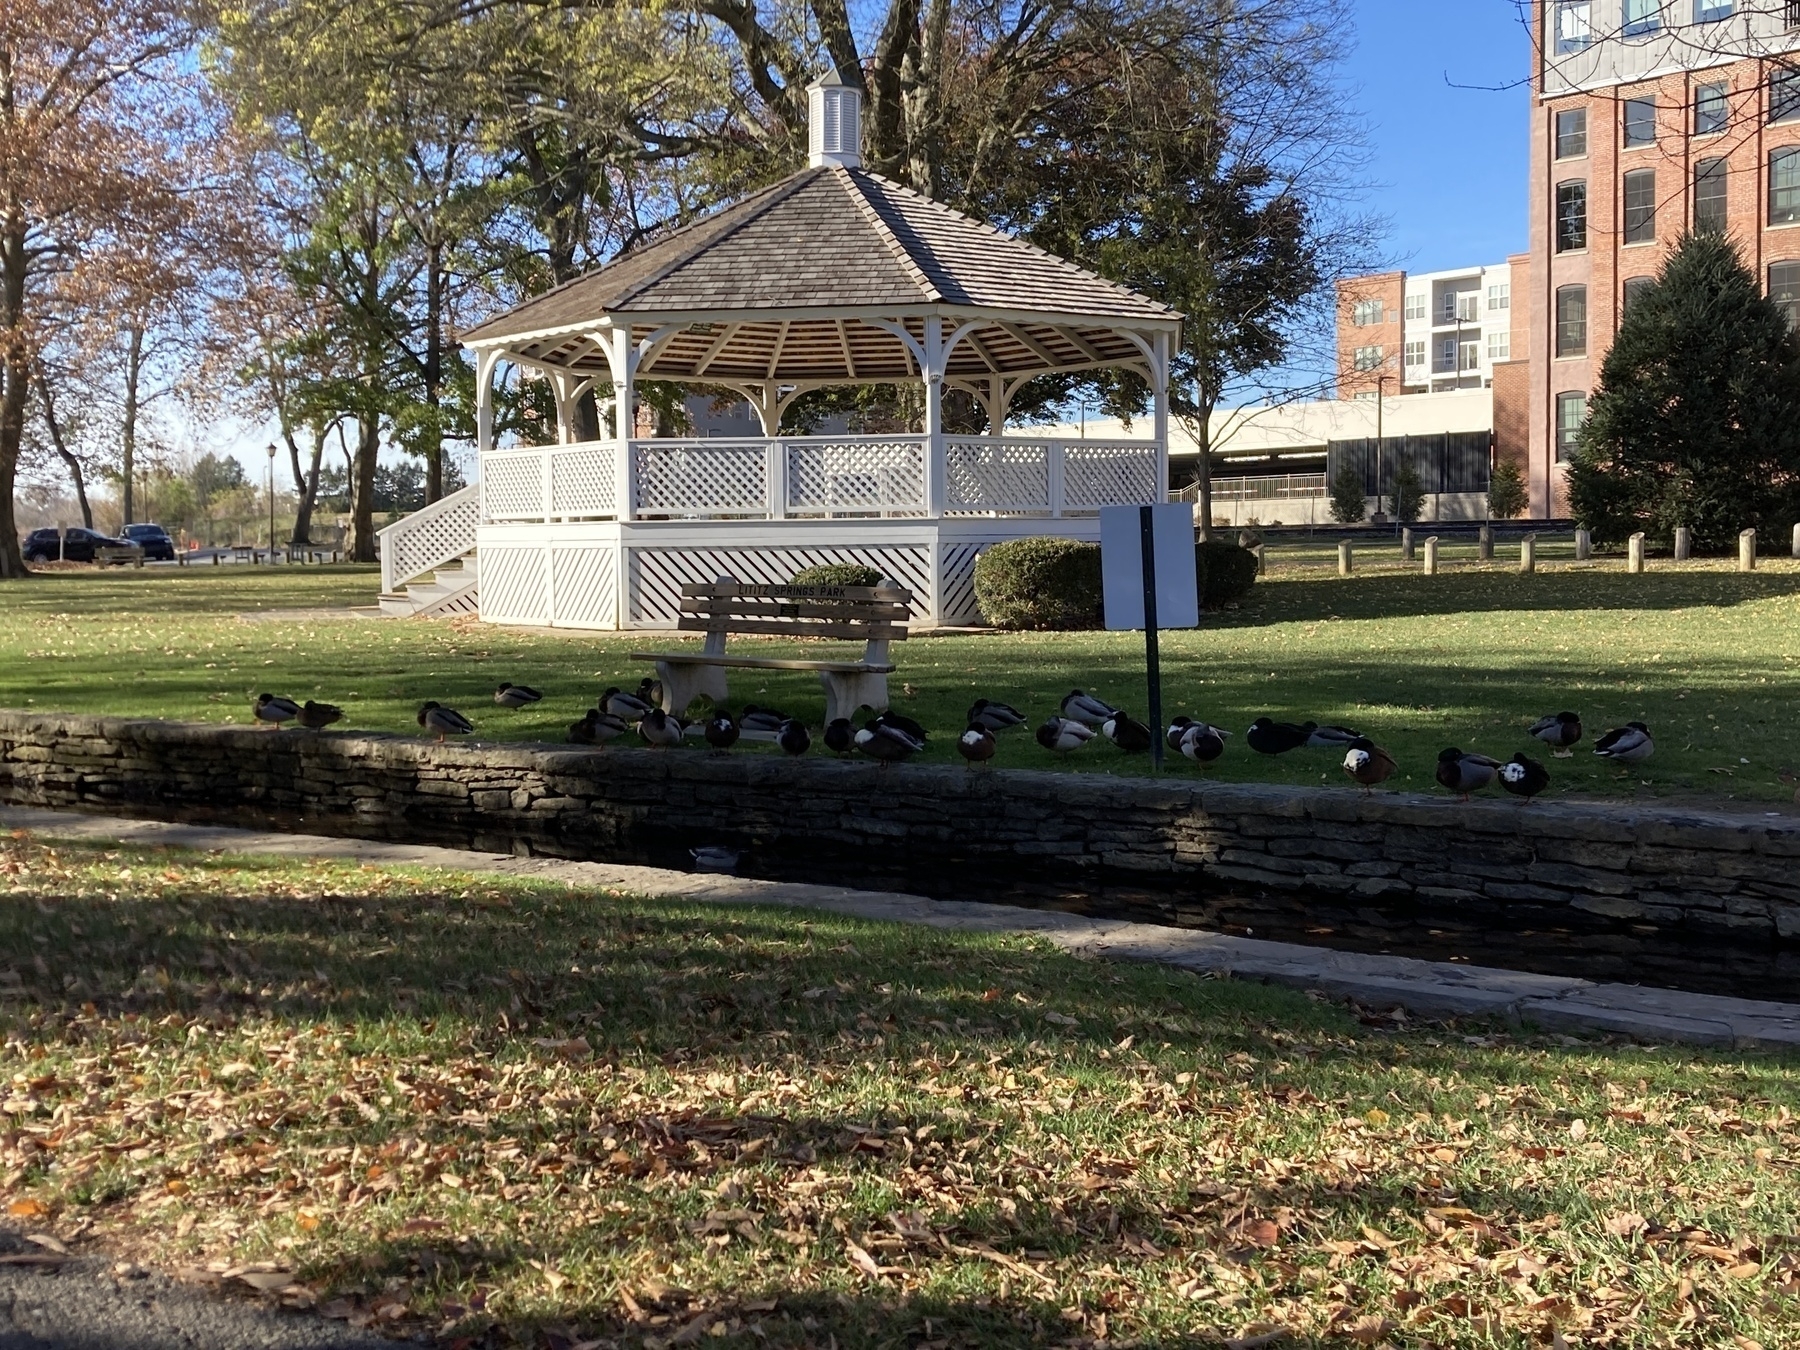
(1368, 358)
(1712, 111)
(1793, 13)
(1711, 11)
(1415, 352)
(1447, 354)
(1574, 27)
(1784, 94)
(1571, 321)
(1500, 296)
(1416, 304)
(1784, 187)
(1500, 346)
(1636, 288)
(1640, 206)
(1571, 414)
(1469, 356)
(1709, 195)
(1640, 122)
(1367, 312)
(1571, 133)
(1642, 16)
(1784, 290)
(1571, 216)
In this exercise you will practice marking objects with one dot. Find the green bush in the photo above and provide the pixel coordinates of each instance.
(1226, 572)
(1041, 584)
(1348, 504)
(1506, 491)
(836, 574)
(1409, 494)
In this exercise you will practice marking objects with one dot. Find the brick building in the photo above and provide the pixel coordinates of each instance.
(1425, 333)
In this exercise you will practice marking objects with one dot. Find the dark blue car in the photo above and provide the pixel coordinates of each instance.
(42, 546)
(154, 540)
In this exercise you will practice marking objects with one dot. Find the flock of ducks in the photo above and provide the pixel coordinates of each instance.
(891, 738)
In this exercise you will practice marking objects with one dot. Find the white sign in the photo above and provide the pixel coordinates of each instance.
(1122, 565)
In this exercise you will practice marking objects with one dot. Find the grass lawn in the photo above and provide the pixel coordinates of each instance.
(515, 1113)
(1705, 656)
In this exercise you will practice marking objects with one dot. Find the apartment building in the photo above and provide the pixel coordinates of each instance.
(1429, 333)
(1650, 117)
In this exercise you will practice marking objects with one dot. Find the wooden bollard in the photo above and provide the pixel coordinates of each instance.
(1487, 543)
(1684, 543)
(1528, 555)
(1406, 545)
(1747, 551)
(1345, 560)
(1797, 541)
(1634, 553)
(1584, 546)
(1431, 556)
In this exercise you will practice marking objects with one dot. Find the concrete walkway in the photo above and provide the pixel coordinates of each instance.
(1424, 988)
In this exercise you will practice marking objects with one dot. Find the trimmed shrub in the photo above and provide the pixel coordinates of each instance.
(1227, 572)
(1507, 496)
(1409, 494)
(836, 574)
(1348, 505)
(1040, 584)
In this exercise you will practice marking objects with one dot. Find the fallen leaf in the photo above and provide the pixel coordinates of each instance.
(1370, 1329)
(1255, 1336)
(28, 1209)
(1624, 1224)
(1578, 1129)
(266, 1280)
(863, 1261)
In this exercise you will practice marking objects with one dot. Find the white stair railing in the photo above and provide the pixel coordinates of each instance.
(426, 540)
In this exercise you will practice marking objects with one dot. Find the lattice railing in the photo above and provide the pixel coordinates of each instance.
(701, 478)
(583, 481)
(428, 539)
(512, 485)
(1096, 474)
(855, 477)
(1009, 477)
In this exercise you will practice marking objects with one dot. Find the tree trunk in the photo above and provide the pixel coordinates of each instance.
(56, 438)
(15, 381)
(1203, 439)
(134, 372)
(362, 488)
(306, 486)
(435, 281)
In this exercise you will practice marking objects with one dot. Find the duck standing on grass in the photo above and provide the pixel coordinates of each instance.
(992, 716)
(272, 710)
(1202, 742)
(445, 721)
(1129, 734)
(793, 738)
(720, 731)
(1086, 709)
(840, 736)
(1559, 731)
(976, 745)
(596, 728)
(1064, 735)
(1524, 777)
(658, 729)
(1268, 737)
(620, 704)
(1630, 744)
(318, 716)
(888, 741)
(1368, 764)
(1465, 773)
(516, 695)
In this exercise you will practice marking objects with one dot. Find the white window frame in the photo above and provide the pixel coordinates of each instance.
(1499, 345)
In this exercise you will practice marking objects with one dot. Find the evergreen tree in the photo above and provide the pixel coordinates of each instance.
(1507, 496)
(1348, 502)
(1409, 493)
(1697, 418)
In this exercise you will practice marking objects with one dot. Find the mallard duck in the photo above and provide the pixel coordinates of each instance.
(714, 858)
(650, 691)
(1064, 735)
(1367, 763)
(1268, 737)
(1129, 734)
(1332, 738)
(1086, 709)
(756, 721)
(900, 722)
(656, 727)
(721, 732)
(628, 706)
(793, 738)
(1465, 773)
(976, 745)
(1202, 742)
(1558, 731)
(887, 742)
(992, 716)
(1524, 777)
(445, 721)
(1630, 743)
(272, 710)
(516, 695)
(596, 728)
(840, 736)
(318, 716)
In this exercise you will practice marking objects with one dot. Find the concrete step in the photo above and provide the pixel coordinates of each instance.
(452, 589)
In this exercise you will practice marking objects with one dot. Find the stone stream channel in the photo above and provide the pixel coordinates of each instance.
(1544, 939)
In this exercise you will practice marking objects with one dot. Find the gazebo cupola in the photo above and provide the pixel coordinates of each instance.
(833, 276)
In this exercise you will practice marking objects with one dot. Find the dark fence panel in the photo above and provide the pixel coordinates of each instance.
(1451, 461)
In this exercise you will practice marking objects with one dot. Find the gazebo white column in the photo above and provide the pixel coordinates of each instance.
(485, 361)
(622, 357)
(1159, 379)
(932, 371)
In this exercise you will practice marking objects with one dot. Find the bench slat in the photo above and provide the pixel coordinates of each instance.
(799, 609)
(812, 628)
(695, 658)
(863, 593)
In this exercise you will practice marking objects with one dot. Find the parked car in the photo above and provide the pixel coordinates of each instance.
(154, 540)
(77, 545)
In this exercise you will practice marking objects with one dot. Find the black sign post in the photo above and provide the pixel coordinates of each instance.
(1152, 656)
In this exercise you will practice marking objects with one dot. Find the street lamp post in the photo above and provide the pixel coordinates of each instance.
(1380, 437)
(271, 503)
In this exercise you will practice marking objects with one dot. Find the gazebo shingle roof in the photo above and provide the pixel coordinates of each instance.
(836, 238)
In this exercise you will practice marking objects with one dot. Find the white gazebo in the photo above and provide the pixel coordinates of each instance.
(833, 277)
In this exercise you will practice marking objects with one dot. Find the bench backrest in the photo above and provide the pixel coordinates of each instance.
(853, 613)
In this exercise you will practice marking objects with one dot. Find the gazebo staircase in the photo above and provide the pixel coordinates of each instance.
(428, 562)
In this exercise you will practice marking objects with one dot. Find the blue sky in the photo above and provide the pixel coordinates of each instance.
(1448, 141)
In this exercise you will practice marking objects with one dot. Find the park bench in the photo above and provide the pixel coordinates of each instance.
(873, 615)
(116, 556)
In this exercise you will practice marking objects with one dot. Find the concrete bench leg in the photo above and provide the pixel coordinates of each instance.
(682, 684)
(846, 694)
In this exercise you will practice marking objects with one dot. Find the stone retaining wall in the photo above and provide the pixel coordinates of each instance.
(1713, 873)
